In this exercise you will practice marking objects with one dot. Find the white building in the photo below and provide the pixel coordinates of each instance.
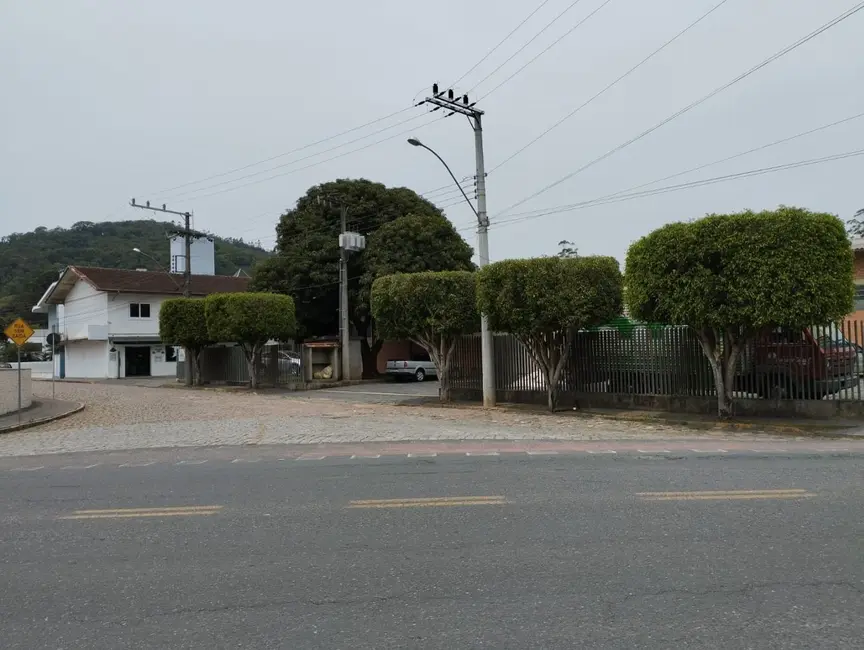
(108, 319)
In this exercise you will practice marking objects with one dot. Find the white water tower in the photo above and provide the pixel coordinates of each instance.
(203, 256)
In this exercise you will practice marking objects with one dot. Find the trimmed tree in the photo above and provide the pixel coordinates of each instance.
(432, 309)
(250, 320)
(182, 322)
(731, 277)
(544, 301)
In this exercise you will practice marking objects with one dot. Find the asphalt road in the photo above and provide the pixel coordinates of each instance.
(447, 552)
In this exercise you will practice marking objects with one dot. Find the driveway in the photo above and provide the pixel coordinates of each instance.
(383, 392)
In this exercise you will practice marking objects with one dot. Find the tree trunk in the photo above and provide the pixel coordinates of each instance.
(196, 367)
(549, 351)
(369, 354)
(188, 377)
(722, 350)
(251, 353)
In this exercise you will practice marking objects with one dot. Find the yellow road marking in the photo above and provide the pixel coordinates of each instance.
(128, 513)
(428, 502)
(717, 495)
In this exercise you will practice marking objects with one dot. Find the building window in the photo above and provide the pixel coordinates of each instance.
(139, 310)
(170, 353)
(859, 297)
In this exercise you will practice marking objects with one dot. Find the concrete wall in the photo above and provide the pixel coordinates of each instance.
(9, 390)
(38, 369)
(813, 409)
(88, 359)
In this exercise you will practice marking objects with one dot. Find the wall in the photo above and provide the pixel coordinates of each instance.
(392, 350)
(9, 390)
(87, 359)
(119, 321)
(83, 307)
(38, 369)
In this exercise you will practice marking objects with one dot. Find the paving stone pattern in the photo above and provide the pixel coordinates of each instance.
(132, 417)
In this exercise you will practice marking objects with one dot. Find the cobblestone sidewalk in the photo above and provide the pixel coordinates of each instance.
(132, 417)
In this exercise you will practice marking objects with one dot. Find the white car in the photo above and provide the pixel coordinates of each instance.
(417, 370)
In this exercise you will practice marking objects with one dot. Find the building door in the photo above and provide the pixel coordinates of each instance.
(137, 361)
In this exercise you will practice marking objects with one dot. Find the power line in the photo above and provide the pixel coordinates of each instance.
(500, 43)
(320, 162)
(696, 103)
(611, 85)
(283, 154)
(618, 197)
(713, 163)
(548, 47)
(533, 38)
(292, 162)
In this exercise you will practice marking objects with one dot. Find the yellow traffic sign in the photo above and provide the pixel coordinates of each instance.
(19, 331)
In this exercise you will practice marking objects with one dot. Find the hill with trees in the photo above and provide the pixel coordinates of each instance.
(30, 261)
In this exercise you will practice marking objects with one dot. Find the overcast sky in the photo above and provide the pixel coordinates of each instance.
(105, 100)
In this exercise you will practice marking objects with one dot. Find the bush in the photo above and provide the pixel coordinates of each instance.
(183, 322)
(432, 309)
(730, 277)
(250, 320)
(543, 301)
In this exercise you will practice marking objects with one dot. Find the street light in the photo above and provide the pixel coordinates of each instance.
(414, 142)
(486, 341)
(156, 262)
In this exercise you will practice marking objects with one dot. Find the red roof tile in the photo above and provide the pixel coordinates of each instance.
(158, 282)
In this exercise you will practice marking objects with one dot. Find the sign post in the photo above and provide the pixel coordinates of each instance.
(19, 331)
(53, 339)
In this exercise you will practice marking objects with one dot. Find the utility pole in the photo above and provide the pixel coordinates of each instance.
(344, 327)
(448, 101)
(348, 242)
(186, 231)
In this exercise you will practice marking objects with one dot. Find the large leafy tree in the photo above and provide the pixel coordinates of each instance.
(250, 320)
(544, 301)
(855, 225)
(432, 309)
(182, 321)
(730, 277)
(306, 264)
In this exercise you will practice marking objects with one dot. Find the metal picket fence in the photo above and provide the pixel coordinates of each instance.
(819, 362)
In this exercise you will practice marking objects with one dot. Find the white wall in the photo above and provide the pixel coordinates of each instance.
(83, 307)
(119, 321)
(87, 359)
(39, 369)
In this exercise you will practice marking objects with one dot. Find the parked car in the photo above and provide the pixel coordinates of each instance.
(417, 369)
(810, 363)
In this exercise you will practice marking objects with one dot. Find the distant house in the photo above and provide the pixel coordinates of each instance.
(109, 319)
(858, 249)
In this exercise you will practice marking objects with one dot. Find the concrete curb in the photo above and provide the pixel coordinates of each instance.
(79, 406)
(816, 430)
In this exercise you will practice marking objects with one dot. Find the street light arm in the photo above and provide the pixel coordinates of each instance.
(156, 262)
(449, 171)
